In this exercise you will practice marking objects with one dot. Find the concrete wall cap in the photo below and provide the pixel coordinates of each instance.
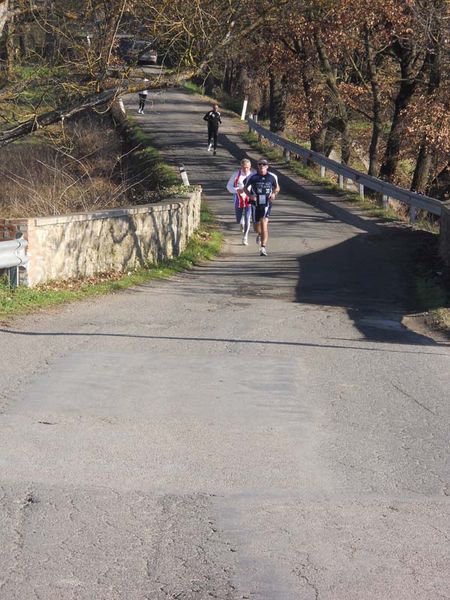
(109, 213)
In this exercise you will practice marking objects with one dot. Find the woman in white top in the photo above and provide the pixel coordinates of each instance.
(242, 208)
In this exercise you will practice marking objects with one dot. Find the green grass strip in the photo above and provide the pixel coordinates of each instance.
(204, 245)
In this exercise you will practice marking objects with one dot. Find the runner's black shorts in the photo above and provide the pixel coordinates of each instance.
(260, 212)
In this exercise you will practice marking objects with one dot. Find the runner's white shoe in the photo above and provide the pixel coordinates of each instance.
(263, 251)
(245, 240)
(209, 147)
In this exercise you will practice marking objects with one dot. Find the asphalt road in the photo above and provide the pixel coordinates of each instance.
(262, 428)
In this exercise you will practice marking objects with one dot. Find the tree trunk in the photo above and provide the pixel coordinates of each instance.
(208, 84)
(4, 5)
(331, 134)
(278, 98)
(241, 83)
(346, 145)
(393, 146)
(264, 111)
(376, 105)
(317, 129)
(422, 171)
(228, 77)
(10, 45)
(408, 84)
(440, 187)
(423, 168)
(341, 116)
(317, 140)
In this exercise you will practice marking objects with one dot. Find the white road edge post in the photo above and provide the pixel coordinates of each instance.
(244, 108)
(184, 175)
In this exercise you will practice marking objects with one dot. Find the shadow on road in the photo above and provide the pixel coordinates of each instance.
(177, 339)
(372, 275)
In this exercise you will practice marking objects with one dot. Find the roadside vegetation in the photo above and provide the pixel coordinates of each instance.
(203, 245)
(367, 204)
(365, 81)
(85, 165)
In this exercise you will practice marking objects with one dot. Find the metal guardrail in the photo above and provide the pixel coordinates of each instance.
(362, 180)
(12, 256)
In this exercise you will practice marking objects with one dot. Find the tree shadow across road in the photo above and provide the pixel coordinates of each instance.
(219, 340)
(373, 278)
(372, 274)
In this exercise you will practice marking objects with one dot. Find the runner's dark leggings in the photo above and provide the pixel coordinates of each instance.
(212, 135)
(142, 100)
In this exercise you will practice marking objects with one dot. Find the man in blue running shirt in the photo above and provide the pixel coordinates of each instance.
(262, 188)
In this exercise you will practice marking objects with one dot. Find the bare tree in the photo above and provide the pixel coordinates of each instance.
(82, 38)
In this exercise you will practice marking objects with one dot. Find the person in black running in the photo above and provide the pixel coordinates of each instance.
(262, 188)
(213, 119)
(142, 98)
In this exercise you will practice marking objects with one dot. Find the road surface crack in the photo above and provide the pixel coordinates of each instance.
(399, 389)
(301, 575)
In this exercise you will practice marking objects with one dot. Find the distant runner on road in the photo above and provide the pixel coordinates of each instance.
(213, 118)
(142, 99)
(262, 189)
(242, 208)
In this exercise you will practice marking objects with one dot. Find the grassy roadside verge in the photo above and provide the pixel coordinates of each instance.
(431, 287)
(153, 179)
(203, 245)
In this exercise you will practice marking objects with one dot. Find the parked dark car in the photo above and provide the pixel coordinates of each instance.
(134, 50)
(148, 57)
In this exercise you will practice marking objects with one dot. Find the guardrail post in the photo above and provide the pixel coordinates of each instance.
(412, 214)
(287, 155)
(385, 201)
(13, 276)
(341, 182)
(361, 190)
(322, 171)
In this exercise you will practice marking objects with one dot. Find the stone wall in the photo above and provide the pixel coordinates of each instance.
(80, 245)
(444, 237)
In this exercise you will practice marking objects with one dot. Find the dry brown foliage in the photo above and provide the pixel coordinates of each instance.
(76, 168)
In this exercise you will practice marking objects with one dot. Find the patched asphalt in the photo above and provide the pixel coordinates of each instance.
(261, 428)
